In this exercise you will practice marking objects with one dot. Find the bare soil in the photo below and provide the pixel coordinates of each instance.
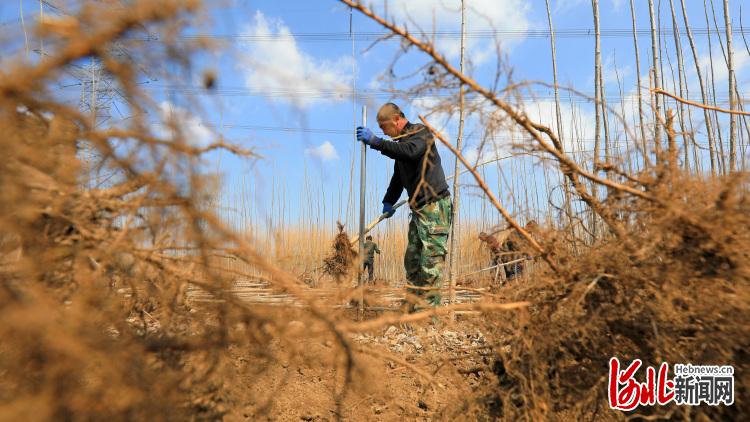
(457, 359)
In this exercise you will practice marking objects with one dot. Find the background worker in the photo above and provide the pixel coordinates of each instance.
(511, 245)
(496, 251)
(417, 169)
(371, 248)
(517, 248)
(493, 246)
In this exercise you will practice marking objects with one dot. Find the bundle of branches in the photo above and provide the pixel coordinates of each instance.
(339, 263)
(676, 290)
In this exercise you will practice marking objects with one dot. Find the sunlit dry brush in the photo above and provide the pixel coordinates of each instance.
(92, 307)
(677, 290)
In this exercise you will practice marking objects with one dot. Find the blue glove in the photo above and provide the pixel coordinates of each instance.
(365, 135)
(388, 210)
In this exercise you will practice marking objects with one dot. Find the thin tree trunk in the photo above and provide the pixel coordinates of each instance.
(597, 93)
(657, 83)
(704, 97)
(41, 39)
(602, 91)
(740, 101)
(682, 89)
(452, 273)
(350, 199)
(665, 57)
(732, 101)
(734, 78)
(558, 117)
(640, 87)
(722, 158)
(597, 104)
(602, 101)
(23, 27)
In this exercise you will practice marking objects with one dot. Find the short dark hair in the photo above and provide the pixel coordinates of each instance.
(368, 237)
(388, 110)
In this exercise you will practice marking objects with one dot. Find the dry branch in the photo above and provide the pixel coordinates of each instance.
(700, 105)
(511, 221)
(423, 315)
(567, 166)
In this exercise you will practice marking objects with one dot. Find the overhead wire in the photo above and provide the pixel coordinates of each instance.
(438, 34)
(361, 93)
(446, 34)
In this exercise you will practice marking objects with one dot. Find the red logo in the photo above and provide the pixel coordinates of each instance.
(625, 393)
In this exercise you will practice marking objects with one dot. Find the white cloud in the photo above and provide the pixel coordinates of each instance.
(481, 15)
(278, 68)
(188, 125)
(578, 129)
(325, 151)
(721, 74)
(578, 123)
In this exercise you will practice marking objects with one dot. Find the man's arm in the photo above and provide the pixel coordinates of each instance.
(394, 188)
(407, 150)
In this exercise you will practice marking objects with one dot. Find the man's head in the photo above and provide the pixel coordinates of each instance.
(482, 235)
(368, 238)
(391, 119)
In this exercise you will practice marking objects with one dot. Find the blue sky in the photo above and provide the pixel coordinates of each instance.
(286, 71)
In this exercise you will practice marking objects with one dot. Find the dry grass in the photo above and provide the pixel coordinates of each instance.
(676, 290)
(296, 251)
(91, 294)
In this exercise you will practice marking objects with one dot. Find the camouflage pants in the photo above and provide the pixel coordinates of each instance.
(428, 244)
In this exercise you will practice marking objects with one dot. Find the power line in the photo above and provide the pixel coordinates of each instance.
(367, 93)
(445, 34)
(290, 129)
(238, 91)
(439, 34)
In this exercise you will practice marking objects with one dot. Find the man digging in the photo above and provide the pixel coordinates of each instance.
(417, 168)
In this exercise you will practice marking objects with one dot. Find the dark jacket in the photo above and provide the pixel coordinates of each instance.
(409, 153)
(370, 249)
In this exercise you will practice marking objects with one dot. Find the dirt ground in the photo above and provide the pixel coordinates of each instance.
(433, 370)
(454, 357)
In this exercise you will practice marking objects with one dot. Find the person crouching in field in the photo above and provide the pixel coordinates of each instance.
(493, 246)
(516, 250)
(511, 253)
(418, 169)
